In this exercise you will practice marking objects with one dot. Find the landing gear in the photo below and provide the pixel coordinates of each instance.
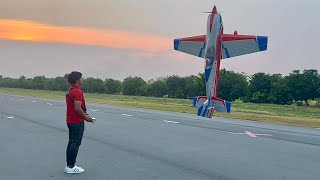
(210, 111)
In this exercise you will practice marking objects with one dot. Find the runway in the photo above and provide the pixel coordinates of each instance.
(137, 144)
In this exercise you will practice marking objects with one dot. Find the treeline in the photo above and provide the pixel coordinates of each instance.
(258, 88)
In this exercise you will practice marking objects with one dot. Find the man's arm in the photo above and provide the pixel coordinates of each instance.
(77, 107)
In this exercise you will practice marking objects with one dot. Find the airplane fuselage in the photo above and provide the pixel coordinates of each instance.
(213, 53)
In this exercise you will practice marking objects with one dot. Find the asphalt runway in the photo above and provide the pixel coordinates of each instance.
(136, 144)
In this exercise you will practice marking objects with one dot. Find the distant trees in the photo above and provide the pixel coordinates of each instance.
(266, 88)
(232, 85)
(134, 86)
(112, 86)
(92, 85)
(304, 86)
(258, 88)
(158, 88)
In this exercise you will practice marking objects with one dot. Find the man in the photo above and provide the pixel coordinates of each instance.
(76, 115)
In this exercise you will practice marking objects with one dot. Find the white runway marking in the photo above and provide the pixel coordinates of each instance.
(249, 134)
(126, 115)
(34, 101)
(94, 110)
(171, 122)
(49, 104)
(235, 133)
(10, 117)
(263, 134)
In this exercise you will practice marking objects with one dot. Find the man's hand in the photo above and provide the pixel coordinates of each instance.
(88, 118)
(77, 107)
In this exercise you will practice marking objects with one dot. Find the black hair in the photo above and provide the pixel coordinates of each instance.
(74, 76)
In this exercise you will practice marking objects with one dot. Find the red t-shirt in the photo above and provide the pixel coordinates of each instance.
(75, 94)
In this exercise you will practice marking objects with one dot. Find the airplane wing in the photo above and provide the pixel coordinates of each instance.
(191, 45)
(237, 45)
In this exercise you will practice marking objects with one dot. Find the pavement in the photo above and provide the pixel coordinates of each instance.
(137, 144)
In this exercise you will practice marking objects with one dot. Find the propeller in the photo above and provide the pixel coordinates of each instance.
(208, 12)
(214, 10)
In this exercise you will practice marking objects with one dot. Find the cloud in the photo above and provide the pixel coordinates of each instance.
(30, 31)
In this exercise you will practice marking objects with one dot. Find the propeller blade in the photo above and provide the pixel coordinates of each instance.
(211, 12)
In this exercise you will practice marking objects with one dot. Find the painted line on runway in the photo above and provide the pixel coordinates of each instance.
(49, 104)
(235, 133)
(34, 101)
(128, 115)
(263, 135)
(94, 110)
(171, 122)
(250, 134)
(10, 117)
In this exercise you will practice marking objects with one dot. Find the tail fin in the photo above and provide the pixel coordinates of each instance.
(206, 107)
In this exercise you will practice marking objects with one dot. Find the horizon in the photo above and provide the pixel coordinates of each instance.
(104, 78)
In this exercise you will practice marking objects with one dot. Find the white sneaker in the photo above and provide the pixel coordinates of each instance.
(74, 170)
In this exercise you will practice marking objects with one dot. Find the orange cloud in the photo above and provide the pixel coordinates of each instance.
(21, 30)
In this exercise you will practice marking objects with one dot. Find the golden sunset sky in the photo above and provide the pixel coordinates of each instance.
(116, 39)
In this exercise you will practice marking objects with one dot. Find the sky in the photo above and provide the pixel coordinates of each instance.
(121, 38)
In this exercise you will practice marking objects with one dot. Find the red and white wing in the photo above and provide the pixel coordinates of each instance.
(237, 45)
(191, 45)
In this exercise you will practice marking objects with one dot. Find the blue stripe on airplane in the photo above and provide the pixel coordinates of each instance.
(207, 73)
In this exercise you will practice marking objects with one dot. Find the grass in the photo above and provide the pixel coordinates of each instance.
(282, 114)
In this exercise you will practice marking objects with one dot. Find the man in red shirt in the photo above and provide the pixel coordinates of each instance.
(76, 115)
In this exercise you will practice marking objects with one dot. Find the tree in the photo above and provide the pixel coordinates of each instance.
(112, 86)
(191, 90)
(92, 85)
(158, 88)
(258, 97)
(38, 82)
(303, 86)
(60, 84)
(133, 86)
(22, 82)
(200, 84)
(232, 85)
(280, 93)
(176, 86)
(260, 88)
(311, 78)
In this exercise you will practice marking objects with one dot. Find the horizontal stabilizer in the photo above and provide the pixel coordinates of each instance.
(206, 107)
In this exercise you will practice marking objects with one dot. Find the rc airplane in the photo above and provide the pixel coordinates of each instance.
(213, 47)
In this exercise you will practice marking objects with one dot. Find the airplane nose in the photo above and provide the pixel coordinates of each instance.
(214, 10)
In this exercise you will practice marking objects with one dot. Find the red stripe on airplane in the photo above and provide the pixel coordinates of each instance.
(218, 99)
(231, 37)
(195, 39)
(219, 49)
(211, 21)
